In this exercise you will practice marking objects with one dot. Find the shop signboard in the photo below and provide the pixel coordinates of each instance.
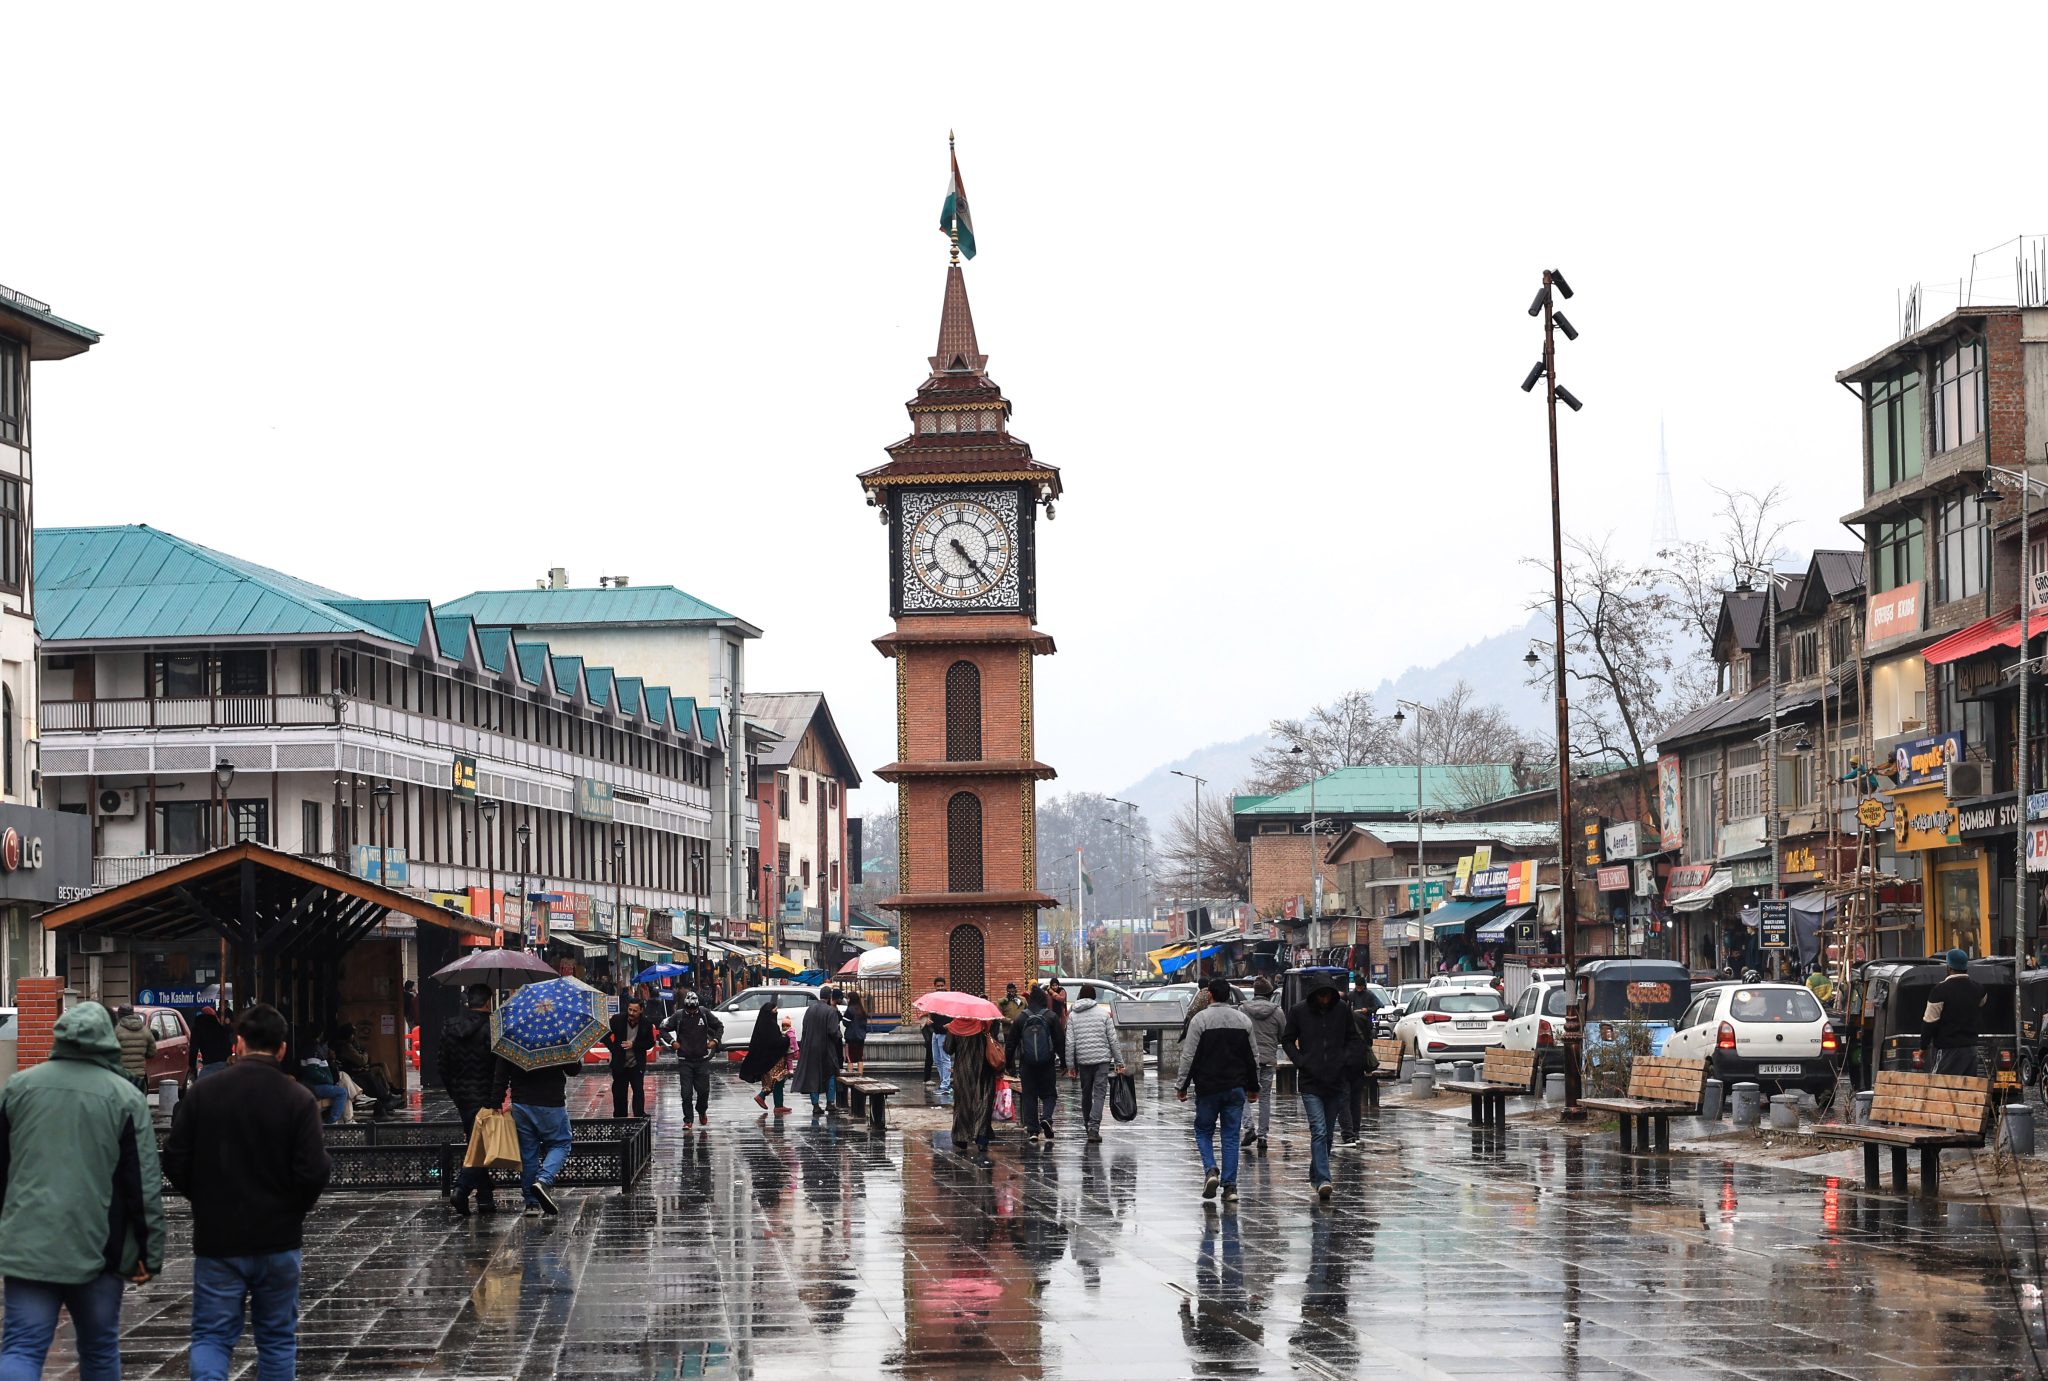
(1624, 841)
(593, 799)
(462, 778)
(1670, 813)
(1753, 872)
(1922, 760)
(394, 871)
(2037, 806)
(1774, 924)
(1687, 878)
(1433, 895)
(1924, 820)
(1893, 614)
(2037, 848)
(1492, 882)
(1613, 879)
(1990, 819)
(1522, 883)
(1482, 858)
(1464, 887)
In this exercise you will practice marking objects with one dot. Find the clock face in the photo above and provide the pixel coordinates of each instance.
(960, 549)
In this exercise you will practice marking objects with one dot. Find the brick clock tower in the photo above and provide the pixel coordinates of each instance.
(960, 497)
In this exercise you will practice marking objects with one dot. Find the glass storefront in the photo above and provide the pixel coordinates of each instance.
(1959, 909)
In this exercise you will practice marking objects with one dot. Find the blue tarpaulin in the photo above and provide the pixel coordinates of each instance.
(1181, 961)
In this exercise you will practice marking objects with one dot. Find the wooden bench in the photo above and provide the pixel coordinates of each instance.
(869, 1097)
(1658, 1086)
(1927, 1112)
(1507, 1074)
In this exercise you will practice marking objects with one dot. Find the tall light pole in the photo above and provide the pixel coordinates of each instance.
(1771, 581)
(1195, 876)
(381, 794)
(1420, 870)
(524, 833)
(1545, 372)
(1315, 850)
(618, 902)
(223, 778)
(487, 811)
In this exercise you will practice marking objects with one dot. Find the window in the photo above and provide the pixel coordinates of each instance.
(835, 875)
(1972, 717)
(963, 842)
(1745, 782)
(782, 798)
(1963, 548)
(1796, 772)
(832, 801)
(244, 673)
(13, 535)
(175, 675)
(963, 712)
(1899, 558)
(804, 874)
(249, 822)
(803, 791)
(7, 739)
(309, 827)
(1842, 642)
(1894, 429)
(967, 961)
(1959, 395)
(1738, 673)
(1898, 697)
(184, 827)
(1799, 654)
(309, 671)
(13, 391)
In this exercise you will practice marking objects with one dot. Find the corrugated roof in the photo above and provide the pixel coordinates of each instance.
(707, 724)
(403, 620)
(492, 644)
(1390, 790)
(790, 714)
(597, 683)
(1512, 834)
(1839, 572)
(1733, 711)
(137, 582)
(643, 604)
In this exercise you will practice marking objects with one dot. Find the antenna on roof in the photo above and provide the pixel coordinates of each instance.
(1664, 529)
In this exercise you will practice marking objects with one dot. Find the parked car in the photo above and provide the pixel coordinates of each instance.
(1105, 991)
(173, 1058)
(739, 1012)
(1774, 1035)
(1536, 1023)
(1465, 980)
(1396, 1007)
(1445, 1023)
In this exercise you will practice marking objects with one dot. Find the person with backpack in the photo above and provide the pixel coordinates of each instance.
(1035, 1049)
(694, 1032)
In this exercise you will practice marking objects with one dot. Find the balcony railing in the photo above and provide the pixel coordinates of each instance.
(109, 871)
(195, 712)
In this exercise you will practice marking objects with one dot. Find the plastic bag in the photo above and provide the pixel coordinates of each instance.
(1006, 1102)
(1123, 1097)
(493, 1142)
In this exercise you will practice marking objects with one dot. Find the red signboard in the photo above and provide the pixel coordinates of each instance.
(1612, 879)
(1687, 877)
(1893, 614)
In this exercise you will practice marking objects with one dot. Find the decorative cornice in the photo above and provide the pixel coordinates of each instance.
(965, 901)
(994, 767)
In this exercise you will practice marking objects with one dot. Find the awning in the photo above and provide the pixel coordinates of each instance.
(784, 963)
(1163, 953)
(1720, 881)
(1451, 917)
(576, 944)
(2001, 630)
(1498, 927)
(1175, 963)
(646, 950)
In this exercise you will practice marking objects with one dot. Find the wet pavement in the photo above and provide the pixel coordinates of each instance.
(806, 1248)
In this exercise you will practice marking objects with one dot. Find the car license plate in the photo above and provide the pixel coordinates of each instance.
(1777, 1069)
(1471, 1026)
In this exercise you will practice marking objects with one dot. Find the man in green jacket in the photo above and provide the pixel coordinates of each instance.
(81, 1199)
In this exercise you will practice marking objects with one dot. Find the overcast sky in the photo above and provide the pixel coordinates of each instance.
(418, 300)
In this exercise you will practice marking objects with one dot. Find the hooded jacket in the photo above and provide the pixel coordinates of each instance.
(80, 1192)
(212, 1041)
(1091, 1035)
(246, 1148)
(138, 1043)
(1217, 1053)
(465, 1059)
(695, 1031)
(1268, 1020)
(1324, 1042)
(823, 1042)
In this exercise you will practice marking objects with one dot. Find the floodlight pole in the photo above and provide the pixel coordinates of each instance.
(1568, 912)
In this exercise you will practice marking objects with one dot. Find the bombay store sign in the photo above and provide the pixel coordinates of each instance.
(1924, 820)
(1990, 818)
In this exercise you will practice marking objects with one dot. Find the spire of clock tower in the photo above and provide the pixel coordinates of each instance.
(959, 353)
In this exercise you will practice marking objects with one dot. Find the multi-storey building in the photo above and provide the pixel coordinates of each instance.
(801, 777)
(193, 699)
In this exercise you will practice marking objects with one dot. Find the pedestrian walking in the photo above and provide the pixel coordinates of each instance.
(138, 1045)
(1094, 1054)
(823, 1043)
(942, 1063)
(540, 1114)
(212, 1042)
(1219, 1058)
(694, 1033)
(767, 1062)
(1036, 1049)
(976, 1061)
(246, 1150)
(1951, 1018)
(1056, 997)
(81, 1198)
(1352, 1108)
(412, 1005)
(629, 1043)
(1268, 1021)
(856, 1033)
(465, 1064)
(1323, 1041)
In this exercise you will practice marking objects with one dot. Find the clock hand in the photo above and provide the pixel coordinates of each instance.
(971, 562)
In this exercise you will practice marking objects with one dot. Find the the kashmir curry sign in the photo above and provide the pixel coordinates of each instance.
(1923, 820)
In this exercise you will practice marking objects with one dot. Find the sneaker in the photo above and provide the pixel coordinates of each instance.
(1229, 1193)
(530, 1211)
(547, 1200)
(1048, 1131)
(1250, 1139)
(1323, 1191)
(1209, 1185)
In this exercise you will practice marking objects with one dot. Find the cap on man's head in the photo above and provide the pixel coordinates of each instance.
(1958, 961)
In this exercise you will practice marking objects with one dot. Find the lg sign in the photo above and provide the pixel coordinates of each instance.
(17, 853)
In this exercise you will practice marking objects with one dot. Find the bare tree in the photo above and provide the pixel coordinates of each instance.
(1699, 574)
(1209, 861)
(1344, 733)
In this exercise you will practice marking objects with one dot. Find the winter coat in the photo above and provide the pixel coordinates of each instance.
(212, 1041)
(1091, 1036)
(1950, 1020)
(765, 1048)
(138, 1043)
(824, 1049)
(1268, 1020)
(856, 1025)
(1218, 1053)
(465, 1059)
(695, 1032)
(1013, 1042)
(546, 1087)
(1324, 1043)
(246, 1149)
(80, 1192)
(628, 1057)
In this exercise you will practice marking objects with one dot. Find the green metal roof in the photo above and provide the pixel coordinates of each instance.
(707, 724)
(597, 684)
(653, 604)
(137, 583)
(401, 620)
(492, 645)
(1388, 790)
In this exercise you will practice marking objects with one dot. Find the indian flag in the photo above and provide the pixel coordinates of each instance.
(955, 217)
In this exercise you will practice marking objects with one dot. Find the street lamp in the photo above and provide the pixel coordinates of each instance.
(524, 833)
(1420, 870)
(1194, 873)
(223, 778)
(618, 901)
(487, 810)
(381, 795)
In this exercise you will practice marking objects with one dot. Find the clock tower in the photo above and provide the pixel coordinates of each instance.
(960, 497)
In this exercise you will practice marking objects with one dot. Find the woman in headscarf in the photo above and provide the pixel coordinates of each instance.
(767, 1062)
(977, 1061)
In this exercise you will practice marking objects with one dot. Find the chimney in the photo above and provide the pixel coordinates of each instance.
(558, 578)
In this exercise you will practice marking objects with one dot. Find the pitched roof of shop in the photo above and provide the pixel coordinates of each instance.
(789, 714)
(1387, 790)
(574, 608)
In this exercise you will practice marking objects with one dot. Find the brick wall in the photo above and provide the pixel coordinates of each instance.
(1282, 867)
(41, 1002)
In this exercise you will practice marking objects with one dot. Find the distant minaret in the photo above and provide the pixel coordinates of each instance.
(1664, 530)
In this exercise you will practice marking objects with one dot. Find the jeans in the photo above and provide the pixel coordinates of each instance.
(1229, 1104)
(1038, 1097)
(1094, 1093)
(543, 1144)
(830, 1095)
(943, 1063)
(31, 1325)
(334, 1097)
(629, 1084)
(1318, 1108)
(1265, 1100)
(270, 1287)
(696, 1080)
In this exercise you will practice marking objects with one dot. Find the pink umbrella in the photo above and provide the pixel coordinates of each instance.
(958, 1005)
(849, 968)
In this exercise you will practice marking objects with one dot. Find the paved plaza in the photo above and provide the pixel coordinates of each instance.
(820, 1248)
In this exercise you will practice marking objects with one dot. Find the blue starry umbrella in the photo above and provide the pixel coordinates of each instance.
(549, 1023)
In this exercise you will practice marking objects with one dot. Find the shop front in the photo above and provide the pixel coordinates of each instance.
(45, 858)
(1924, 823)
(1990, 829)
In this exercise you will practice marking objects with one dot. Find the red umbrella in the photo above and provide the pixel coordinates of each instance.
(958, 1005)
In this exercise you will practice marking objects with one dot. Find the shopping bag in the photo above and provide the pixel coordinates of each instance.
(1006, 1102)
(493, 1142)
(1123, 1097)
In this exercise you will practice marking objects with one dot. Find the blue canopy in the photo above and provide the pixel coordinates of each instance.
(1453, 915)
(1180, 961)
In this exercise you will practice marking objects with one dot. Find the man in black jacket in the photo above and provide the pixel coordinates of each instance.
(1325, 1044)
(466, 1063)
(245, 1147)
(212, 1043)
(1951, 1018)
(629, 1042)
(1219, 1058)
(540, 1112)
(694, 1033)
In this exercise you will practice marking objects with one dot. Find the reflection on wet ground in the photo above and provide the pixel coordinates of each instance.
(802, 1248)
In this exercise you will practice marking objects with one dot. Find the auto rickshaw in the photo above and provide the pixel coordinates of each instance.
(2033, 998)
(1616, 995)
(1892, 1036)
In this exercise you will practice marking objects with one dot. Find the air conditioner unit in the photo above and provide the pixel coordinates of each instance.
(96, 944)
(1964, 780)
(117, 802)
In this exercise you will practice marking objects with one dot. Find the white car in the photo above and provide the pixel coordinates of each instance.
(1446, 1023)
(1464, 980)
(1536, 1023)
(1397, 1007)
(1775, 1035)
(738, 1013)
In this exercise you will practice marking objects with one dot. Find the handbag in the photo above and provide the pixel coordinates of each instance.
(493, 1142)
(1123, 1097)
(995, 1052)
(1006, 1102)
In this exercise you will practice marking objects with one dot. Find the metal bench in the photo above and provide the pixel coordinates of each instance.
(868, 1097)
(1923, 1112)
(380, 1156)
(1506, 1074)
(1658, 1087)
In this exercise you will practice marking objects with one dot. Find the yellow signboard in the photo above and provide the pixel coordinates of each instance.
(1464, 887)
(1482, 858)
(1870, 814)
(1924, 820)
